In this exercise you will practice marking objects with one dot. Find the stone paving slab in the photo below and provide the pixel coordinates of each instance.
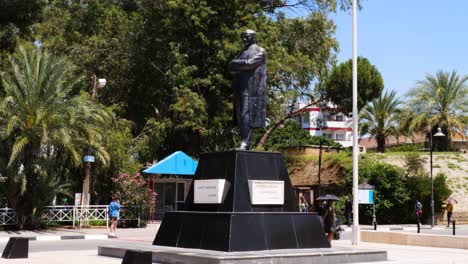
(62, 257)
(397, 254)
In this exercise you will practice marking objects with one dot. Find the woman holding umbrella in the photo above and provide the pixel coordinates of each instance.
(329, 216)
(449, 208)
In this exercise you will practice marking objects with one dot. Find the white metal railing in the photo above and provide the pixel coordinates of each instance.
(90, 213)
(74, 214)
(84, 214)
(7, 216)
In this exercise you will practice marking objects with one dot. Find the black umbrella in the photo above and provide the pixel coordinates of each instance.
(328, 197)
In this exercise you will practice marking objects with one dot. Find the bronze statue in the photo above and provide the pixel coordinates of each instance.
(249, 70)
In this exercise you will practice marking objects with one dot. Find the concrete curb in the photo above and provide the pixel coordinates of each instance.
(349, 229)
(55, 238)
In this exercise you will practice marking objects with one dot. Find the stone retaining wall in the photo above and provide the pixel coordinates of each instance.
(411, 239)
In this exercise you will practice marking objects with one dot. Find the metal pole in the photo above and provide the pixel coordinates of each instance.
(87, 179)
(138, 208)
(432, 182)
(107, 216)
(355, 132)
(374, 219)
(453, 226)
(320, 164)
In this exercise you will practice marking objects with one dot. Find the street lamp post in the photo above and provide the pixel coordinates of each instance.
(438, 134)
(320, 125)
(96, 83)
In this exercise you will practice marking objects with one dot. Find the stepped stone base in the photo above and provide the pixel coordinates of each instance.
(173, 255)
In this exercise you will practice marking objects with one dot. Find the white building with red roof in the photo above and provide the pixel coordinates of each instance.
(335, 124)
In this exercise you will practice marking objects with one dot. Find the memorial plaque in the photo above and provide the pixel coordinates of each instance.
(210, 191)
(266, 192)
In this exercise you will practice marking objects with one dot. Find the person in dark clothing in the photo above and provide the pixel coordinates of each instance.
(418, 211)
(319, 208)
(329, 220)
(348, 210)
(449, 208)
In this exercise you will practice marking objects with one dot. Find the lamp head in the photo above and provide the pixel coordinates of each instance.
(101, 83)
(439, 133)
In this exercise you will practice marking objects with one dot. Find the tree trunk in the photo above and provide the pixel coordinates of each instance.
(380, 143)
(267, 134)
(25, 206)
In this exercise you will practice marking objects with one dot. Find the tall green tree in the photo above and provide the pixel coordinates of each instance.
(45, 122)
(16, 18)
(339, 87)
(379, 118)
(439, 100)
(308, 48)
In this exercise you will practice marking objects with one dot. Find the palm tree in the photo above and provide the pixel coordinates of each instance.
(404, 119)
(44, 122)
(378, 118)
(439, 100)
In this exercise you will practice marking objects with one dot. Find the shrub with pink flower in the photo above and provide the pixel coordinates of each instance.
(133, 191)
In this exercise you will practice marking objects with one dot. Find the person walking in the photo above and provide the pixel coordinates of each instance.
(449, 208)
(329, 220)
(418, 211)
(303, 205)
(348, 210)
(320, 207)
(114, 213)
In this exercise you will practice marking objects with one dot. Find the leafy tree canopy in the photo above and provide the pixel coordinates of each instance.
(439, 100)
(339, 85)
(379, 118)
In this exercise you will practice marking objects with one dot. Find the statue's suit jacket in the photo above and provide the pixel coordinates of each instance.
(249, 68)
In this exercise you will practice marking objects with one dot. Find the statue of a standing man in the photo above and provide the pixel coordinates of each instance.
(249, 70)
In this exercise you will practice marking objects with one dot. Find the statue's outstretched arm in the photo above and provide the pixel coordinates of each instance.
(252, 63)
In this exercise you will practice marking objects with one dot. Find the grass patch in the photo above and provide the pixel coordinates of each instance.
(437, 166)
(452, 166)
(458, 158)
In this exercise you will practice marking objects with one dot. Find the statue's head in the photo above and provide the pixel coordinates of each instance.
(249, 37)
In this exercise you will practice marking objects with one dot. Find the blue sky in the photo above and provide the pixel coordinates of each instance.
(407, 39)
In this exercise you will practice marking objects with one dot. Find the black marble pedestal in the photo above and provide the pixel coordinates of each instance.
(236, 224)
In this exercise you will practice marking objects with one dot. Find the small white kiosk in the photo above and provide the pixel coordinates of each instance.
(170, 179)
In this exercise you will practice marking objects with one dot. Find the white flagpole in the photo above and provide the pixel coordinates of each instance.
(355, 133)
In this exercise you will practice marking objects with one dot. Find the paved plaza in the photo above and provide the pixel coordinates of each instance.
(85, 250)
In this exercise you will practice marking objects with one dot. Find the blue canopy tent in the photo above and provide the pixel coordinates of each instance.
(177, 163)
(171, 191)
